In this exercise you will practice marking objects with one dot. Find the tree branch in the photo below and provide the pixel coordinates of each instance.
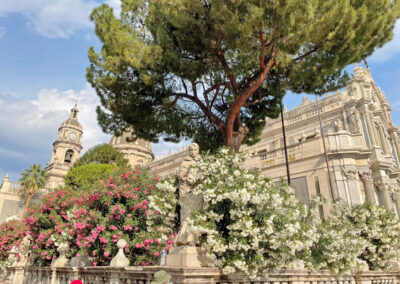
(318, 46)
(232, 79)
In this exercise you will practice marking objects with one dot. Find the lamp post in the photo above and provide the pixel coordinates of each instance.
(333, 194)
(285, 146)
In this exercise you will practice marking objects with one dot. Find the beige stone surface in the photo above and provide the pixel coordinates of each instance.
(187, 256)
(357, 129)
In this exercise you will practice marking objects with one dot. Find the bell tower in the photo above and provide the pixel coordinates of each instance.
(66, 149)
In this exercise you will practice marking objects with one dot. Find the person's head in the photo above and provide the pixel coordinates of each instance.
(194, 150)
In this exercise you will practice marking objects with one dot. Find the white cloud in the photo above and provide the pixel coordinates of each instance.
(52, 18)
(116, 5)
(35, 122)
(2, 32)
(29, 127)
(11, 154)
(388, 50)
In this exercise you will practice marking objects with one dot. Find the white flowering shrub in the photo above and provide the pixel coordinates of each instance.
(248, 223)
(355, 236)
(380, 228)
(339, 243)
(163, 208)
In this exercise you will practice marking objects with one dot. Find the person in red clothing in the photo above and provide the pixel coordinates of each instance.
(76, 282)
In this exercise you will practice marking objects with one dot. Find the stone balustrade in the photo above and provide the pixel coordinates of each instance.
(144, 275)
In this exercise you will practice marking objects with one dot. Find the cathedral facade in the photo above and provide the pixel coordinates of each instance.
(343, 146)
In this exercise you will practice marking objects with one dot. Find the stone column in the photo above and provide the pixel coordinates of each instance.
(385, 191)
(371, 130)
(385, 142)
(396, 197)
(385, 148)
(393, 135)
(368, 187)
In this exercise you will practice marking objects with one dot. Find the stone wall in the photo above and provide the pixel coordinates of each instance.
(144, 275)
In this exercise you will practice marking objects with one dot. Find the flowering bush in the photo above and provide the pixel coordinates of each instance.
(355, 236)
(11, 235)
(339, 243)
(247, 222)
(92, 222)
(380, 228)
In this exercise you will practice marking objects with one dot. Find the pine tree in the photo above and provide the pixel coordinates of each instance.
(212, 70)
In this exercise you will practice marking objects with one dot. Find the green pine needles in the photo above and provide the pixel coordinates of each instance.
(212, 70)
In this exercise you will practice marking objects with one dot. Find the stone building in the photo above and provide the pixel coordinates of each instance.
(361, 160)
(362, 147)
(66, 149)
(355, 156)
(136, 151)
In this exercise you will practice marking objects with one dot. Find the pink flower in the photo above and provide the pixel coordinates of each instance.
(112, 227)
(103, 240)
(106, 254)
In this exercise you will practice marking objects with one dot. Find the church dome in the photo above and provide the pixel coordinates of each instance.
(137, 151)
(72, 121)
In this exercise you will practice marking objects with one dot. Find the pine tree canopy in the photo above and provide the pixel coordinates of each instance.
(212, 70)
(102, 154)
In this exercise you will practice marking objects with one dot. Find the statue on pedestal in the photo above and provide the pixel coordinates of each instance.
(187, 252)
(187, 199)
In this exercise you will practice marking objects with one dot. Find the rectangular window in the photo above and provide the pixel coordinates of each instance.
(272, 146)
(318, 190)
(394, 153)
(379, 196)
(301, 189)
(365, 130)
(281, 143)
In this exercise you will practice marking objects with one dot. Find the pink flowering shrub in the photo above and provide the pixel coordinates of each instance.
(11, 234)
(92, 222)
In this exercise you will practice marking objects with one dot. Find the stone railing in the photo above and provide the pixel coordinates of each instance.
(145, 275)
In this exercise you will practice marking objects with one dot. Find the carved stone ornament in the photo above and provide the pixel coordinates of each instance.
(188, 200)
(62, 260)
(120, 260)
(383, 185)
(351, 173)
(12, 256)
(24, 250)
(365, 174)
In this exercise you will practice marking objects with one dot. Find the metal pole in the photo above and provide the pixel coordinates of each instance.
(333, 195)
(285, 146)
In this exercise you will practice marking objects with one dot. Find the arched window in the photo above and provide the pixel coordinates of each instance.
(68, 156)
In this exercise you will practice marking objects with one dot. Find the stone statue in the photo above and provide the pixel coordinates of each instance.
(186, 252)
(187, 199)
(62, 260)
(24, 250)
(339, 125)
(352, 122)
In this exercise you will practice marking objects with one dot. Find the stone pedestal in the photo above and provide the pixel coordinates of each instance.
(187, 256)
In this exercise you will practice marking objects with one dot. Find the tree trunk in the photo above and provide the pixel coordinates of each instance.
(28, 200)
(236, 138)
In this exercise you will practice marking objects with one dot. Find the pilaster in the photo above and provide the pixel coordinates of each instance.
(368, 187)
(385, 191)
(396, 198)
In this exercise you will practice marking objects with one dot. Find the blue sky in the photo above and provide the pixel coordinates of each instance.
(43, 56)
